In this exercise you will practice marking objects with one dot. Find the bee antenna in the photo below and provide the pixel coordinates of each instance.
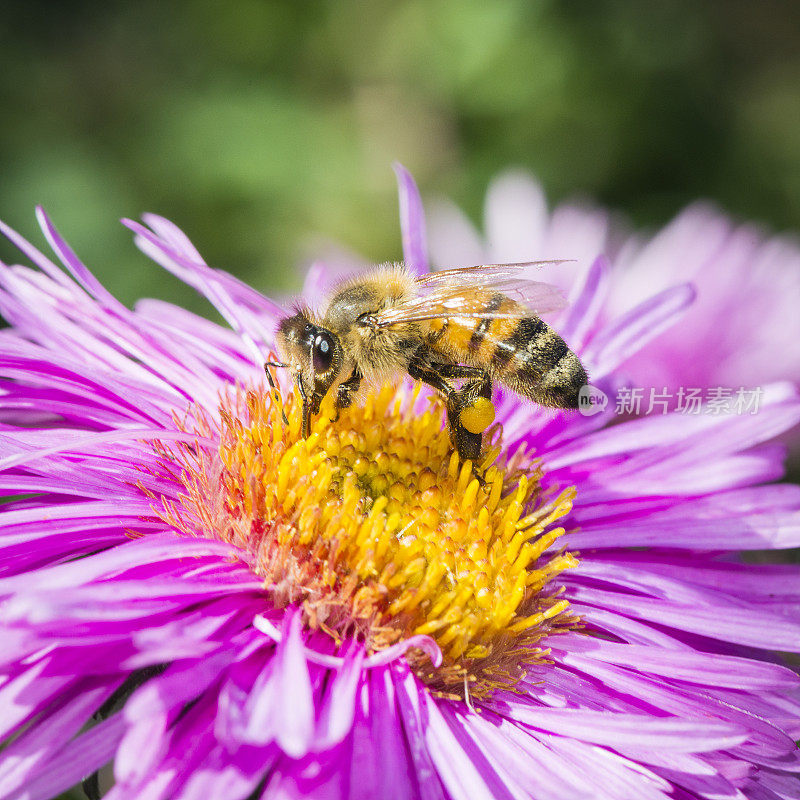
(274, 386)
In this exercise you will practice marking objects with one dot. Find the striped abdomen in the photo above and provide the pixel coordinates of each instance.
(522, 352)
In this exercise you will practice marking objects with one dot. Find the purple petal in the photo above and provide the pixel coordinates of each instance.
(280, 706)
(24, 694)
(153, 708)
(516, 219)
(584, 310)
(682, 736)
(463, 766)
(37, 745)
(74, 264)
(338, 708)
(452, 238)
(380, 659)
(629, 333)
(381, 763)
(747, 626)
(559, 768)
(252, 315)
(705, 669)
(293, 703)
(36, 256)
(412, 222)
(410, 705)
(76, 760)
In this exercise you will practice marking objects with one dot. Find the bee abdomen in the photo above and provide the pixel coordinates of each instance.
(533, 360)
(496, 303)
(524, 353)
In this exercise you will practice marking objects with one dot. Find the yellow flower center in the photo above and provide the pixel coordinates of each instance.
(378, 531)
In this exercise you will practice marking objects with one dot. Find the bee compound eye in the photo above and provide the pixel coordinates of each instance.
(323, 352)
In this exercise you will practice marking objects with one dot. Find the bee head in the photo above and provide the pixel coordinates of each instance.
(314, 355)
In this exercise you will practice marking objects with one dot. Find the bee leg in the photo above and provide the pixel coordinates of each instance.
(474, 398)
(459, 371)
(346, 390)
(473, 401)
(276, 392)
(477, 382)
(467, 443)
(307, 401)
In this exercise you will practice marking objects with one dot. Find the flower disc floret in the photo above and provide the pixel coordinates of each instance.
(379, 531)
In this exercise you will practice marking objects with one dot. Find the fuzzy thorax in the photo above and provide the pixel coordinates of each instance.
(374, 528)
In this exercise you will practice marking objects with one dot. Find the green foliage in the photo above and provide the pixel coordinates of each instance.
(256, 124)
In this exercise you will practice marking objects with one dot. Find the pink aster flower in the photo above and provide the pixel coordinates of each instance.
(222, 609)
(743, 328)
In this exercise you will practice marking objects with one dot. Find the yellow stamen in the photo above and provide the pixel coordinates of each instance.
(377, 528)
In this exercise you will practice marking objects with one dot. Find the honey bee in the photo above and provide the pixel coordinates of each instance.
(473, 325)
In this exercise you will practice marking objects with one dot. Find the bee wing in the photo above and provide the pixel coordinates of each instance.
(483, 274)
(463, 293)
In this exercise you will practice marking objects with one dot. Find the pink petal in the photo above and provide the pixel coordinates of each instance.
(412, 222)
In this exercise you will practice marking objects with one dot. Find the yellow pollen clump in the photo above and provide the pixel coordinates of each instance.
(478, 416)
(377, 529)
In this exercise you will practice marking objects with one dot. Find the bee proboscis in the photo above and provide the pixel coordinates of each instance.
(473, 325)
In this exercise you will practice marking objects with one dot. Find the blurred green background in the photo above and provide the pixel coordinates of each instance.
(255, 125)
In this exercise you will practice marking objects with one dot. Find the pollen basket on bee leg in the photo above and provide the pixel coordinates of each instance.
(478, 416)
